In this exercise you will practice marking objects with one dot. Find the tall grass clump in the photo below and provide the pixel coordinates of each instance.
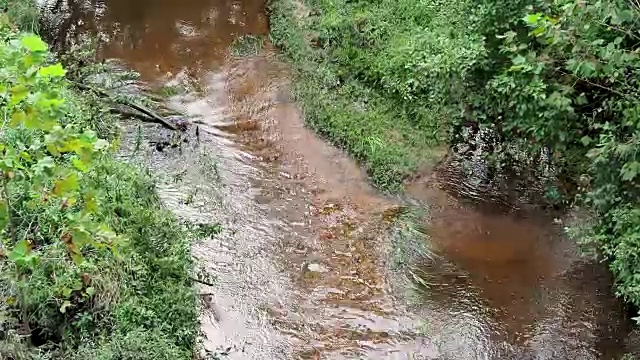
(23, 13)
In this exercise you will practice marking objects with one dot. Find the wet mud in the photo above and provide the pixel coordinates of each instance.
(303, 265)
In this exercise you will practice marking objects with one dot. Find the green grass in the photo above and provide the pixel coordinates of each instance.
(343, 95)
(247, 45)
(133, 299)
(23, 13)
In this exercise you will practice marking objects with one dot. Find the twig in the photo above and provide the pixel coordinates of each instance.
(203, 282)
(150, 113)
(132, 114)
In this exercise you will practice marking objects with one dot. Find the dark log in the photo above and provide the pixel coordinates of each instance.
(152, 115)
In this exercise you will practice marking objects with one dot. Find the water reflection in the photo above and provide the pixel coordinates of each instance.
(157, 37)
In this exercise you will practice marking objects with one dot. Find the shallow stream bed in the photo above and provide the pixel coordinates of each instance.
(302, 266)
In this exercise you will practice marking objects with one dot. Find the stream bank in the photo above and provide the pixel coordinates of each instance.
(92, 266)
(302, 263)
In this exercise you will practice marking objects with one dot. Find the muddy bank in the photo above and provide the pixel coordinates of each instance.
(302, 265)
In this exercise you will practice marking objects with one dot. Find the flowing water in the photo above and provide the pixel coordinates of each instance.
(302, 264)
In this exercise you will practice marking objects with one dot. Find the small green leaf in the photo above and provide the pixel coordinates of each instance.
(77, 285)
(25, 155)
(55, 70)
(519, 60)
(33, 43)
(20, 251)
(586, 140)
(44, 166)
(65, 306)
(90, 291)
(532, 19)
(79, 164)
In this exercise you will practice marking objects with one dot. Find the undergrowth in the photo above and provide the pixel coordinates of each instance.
(23, 13)
(91, 266)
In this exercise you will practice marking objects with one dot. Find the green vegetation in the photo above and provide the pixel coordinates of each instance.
(91, 267)
(554, 81)
(340, 87)
(247, 45)
(23, 13)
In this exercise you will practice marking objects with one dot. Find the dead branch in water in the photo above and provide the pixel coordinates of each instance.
(203, 282)
(152, 115)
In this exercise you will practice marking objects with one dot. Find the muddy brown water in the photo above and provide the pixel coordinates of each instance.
(302, 265)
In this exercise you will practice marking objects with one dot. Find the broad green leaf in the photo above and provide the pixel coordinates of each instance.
(33, 43)
(76, 257)
(630, 170)
(532, 19)
(55, 70)
(627, 15)
(81, 237)
(587, 68)
(66, 185)
(79, 164)
(586, 140)
(90, 201)
(19, 251)
(18, 118)
(90, 291)
(26, 156)
(18, 93)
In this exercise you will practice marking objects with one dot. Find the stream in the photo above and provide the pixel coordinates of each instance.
(302, 264)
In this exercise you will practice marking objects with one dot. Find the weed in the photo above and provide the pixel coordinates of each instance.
(23, 13)
(209, 166)
(248, 45)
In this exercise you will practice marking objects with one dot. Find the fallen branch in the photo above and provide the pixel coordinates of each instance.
(203, 282)
(148, 112)
(131, 114)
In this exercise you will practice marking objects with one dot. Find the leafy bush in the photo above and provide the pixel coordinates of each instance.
(90, 266)
(570, 87)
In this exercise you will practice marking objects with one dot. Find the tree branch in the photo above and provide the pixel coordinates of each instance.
(146, 111)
